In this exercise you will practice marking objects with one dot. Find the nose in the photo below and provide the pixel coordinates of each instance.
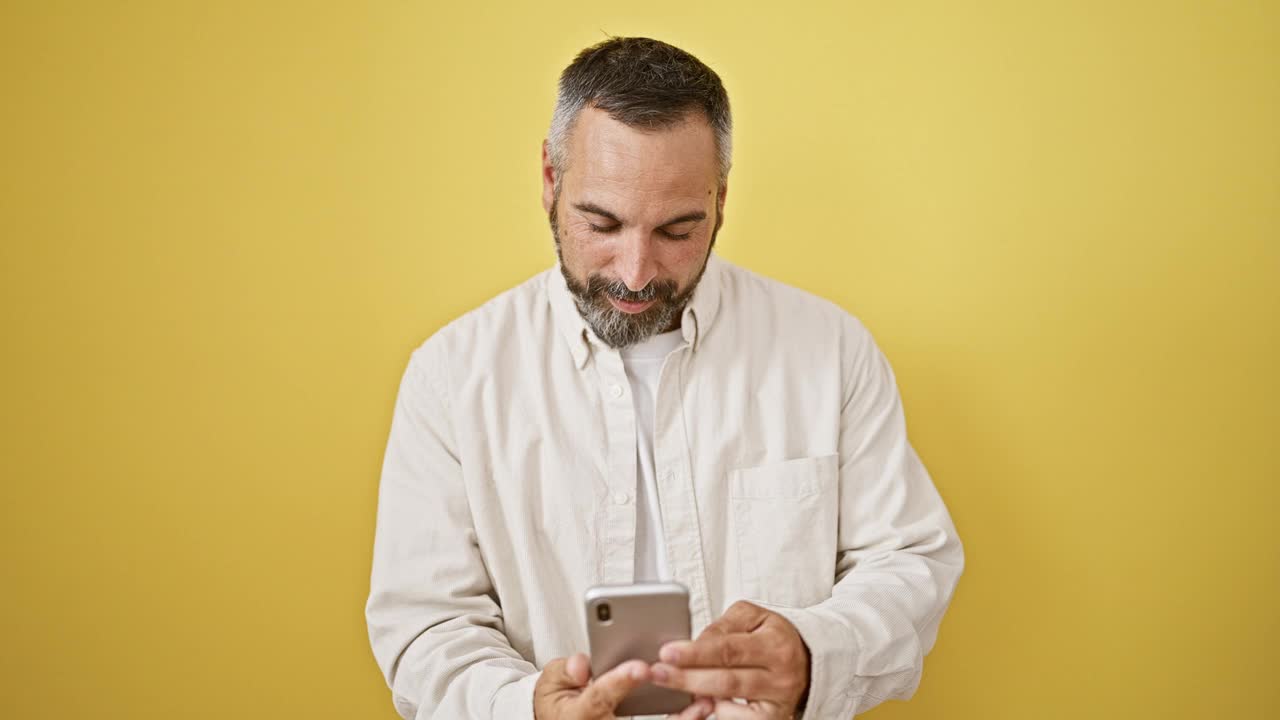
(636, 264)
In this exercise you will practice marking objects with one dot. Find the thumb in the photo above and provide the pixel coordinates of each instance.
(556, 677)
(578, 669)
(602, 696)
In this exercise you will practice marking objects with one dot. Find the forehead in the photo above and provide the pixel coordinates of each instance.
(641, 166)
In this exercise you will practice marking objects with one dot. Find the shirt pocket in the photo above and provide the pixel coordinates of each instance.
(785, 520)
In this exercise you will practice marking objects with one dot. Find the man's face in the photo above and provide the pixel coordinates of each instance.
(634, 221)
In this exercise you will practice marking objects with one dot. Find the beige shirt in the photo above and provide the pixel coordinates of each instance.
(784, 474)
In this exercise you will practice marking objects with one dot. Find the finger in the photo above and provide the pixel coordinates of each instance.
(605, 692)
(578, 669)
(728, 650)
(730, 710)
(555, 677)
(753, 683)
(741, 616)
(699, 710)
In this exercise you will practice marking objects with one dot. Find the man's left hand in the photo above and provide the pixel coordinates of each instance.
(749, 653)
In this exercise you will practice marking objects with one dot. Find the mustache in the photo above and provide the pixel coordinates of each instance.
(598, 285)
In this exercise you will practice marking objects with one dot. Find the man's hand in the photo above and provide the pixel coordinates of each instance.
(750, 653)
(563, 692)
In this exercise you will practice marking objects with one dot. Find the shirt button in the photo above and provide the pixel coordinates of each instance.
(621, 498)
(668, 476)
(615, 390)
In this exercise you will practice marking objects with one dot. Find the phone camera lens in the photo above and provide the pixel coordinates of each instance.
(603, 612)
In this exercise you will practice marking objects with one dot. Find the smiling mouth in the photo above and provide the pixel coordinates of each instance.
(631, 308)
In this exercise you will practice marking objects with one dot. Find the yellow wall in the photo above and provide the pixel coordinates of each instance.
(224, 226)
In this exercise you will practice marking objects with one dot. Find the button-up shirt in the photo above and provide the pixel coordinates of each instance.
(784, 474)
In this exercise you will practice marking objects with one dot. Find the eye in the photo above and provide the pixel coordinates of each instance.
(603, 230)
(673, 236)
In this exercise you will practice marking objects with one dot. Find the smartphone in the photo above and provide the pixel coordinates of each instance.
(633, 622)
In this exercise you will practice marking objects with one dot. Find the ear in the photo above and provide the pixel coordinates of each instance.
(548, 179)
(724, 190)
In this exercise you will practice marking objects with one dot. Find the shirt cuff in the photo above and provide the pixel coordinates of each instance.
(832, 656)
(515, 700)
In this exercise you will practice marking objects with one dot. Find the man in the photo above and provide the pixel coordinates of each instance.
(646, 410)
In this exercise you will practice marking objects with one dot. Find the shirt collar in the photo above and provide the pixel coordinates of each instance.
(695, 319)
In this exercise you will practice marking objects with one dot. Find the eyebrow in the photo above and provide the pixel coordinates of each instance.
(597, 210)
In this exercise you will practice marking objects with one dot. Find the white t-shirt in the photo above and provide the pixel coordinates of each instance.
(643, 362)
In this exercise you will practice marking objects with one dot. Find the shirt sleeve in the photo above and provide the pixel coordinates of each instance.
(899, 559)
(434, 621)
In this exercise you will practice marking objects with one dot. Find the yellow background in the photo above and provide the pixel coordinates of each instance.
(225, 225)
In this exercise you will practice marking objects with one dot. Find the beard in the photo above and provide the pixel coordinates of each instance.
(616, 328)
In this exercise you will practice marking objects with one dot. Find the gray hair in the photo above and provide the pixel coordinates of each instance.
(642, 83)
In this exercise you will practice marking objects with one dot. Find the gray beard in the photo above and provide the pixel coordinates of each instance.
(615, 328)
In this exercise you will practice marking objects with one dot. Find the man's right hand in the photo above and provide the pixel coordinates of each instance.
(565, 691)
